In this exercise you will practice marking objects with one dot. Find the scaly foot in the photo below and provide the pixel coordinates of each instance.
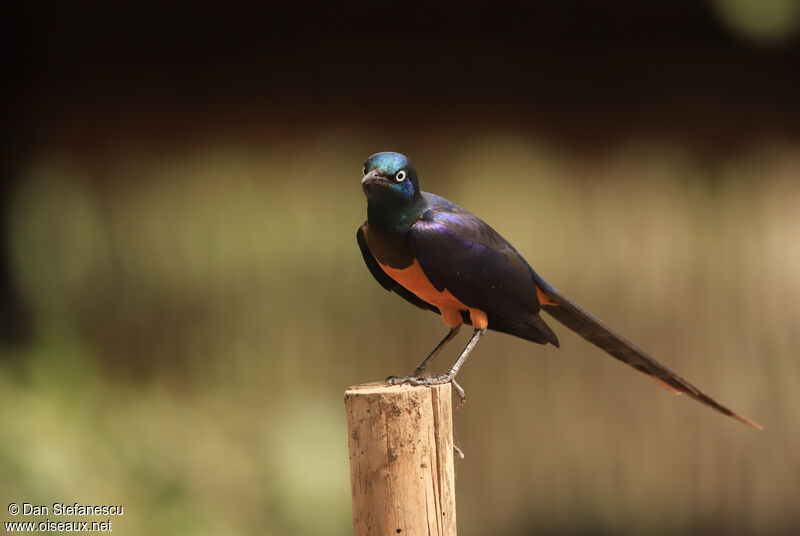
(436, 379)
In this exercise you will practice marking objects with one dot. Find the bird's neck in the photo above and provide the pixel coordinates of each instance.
(394, 217)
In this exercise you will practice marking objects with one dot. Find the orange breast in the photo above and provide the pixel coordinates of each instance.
(415, 280)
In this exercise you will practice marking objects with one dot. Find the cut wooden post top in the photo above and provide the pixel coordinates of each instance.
(385, 388)
(401, 459)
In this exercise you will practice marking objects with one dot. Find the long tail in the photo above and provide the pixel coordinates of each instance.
(593, 330)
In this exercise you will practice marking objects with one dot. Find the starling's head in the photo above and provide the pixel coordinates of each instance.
(390, 180)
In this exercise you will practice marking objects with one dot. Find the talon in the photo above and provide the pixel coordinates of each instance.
(461, 393)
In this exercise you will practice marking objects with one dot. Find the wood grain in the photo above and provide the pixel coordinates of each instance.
(401, 459)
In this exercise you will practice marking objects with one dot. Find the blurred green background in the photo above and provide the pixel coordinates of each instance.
(184, 303)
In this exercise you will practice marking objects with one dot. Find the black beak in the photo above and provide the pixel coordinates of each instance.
(371, 177)
(373, 182)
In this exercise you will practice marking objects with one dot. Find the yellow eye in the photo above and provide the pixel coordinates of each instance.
(401, 176)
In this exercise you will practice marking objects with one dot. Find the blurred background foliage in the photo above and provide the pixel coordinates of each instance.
(183, 301)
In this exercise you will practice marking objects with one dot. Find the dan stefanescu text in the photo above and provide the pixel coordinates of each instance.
(75, 509)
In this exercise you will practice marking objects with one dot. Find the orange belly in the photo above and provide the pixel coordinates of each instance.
(415, 280)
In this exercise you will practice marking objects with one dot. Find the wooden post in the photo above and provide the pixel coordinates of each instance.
(401, 460)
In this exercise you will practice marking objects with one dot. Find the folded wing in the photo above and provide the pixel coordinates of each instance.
(460, 253)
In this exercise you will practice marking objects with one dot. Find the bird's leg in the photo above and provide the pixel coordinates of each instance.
(421, 367)
(476, 336)
(450, 375)
(447, 338)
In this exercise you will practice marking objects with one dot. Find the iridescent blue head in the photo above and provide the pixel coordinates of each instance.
(392, 189)
(390, 178)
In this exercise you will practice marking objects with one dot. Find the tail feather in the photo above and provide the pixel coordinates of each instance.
(532, 327)
(593, 330)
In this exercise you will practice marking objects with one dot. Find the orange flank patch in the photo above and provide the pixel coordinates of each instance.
(415, 280)
(544, 299)
(478, 318)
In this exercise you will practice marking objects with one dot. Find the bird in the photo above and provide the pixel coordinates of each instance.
(442, 258)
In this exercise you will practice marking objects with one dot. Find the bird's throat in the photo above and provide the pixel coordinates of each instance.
(398, 217)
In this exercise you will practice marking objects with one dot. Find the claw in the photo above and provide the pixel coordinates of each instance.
(461, 393)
